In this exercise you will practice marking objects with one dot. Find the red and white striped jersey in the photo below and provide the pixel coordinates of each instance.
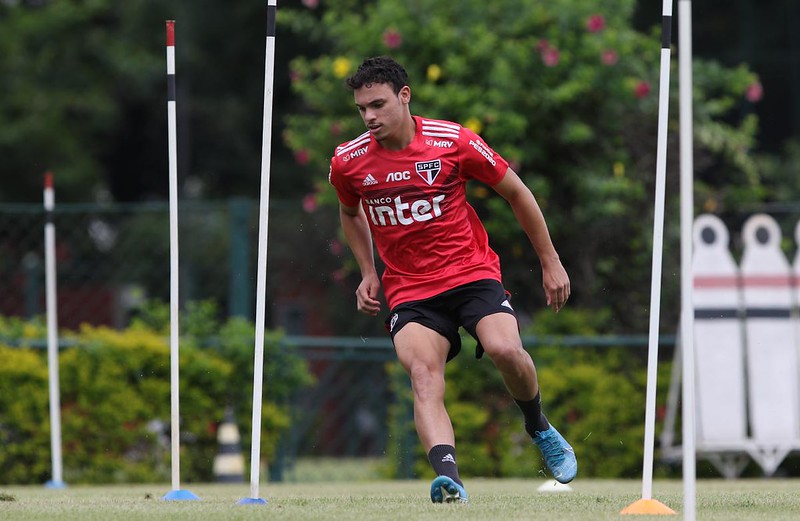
(428, 236)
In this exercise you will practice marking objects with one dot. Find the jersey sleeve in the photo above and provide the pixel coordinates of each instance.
(347, 196)
(478, 160)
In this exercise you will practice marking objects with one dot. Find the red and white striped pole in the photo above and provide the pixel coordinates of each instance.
(176, 494)
(52, 333)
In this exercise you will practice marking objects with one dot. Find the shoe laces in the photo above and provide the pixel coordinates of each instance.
(551, 447)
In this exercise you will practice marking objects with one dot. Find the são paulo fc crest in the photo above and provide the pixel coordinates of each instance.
(428, 170)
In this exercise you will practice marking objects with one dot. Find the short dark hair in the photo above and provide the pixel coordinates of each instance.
(380, 69)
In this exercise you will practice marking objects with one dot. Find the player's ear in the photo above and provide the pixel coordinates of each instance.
(405, 94)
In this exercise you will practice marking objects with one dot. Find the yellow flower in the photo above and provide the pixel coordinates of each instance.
(619, 169)
(341, 67)
(434, 72)
(474, 124)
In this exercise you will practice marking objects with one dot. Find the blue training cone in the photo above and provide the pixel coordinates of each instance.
(251, 501)
(180, 495)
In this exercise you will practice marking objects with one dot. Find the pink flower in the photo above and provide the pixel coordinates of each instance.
(392, 38)
(336, 247)
(754, 92)
(301, 157)
(550, 57)
(311, 4)
(542, 45)
(336, 129)
(295, 76)
(310, 203)
(609, 57)
(641, 89)
(595, 23)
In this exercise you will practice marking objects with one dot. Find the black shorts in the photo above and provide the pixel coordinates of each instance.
(462, 306)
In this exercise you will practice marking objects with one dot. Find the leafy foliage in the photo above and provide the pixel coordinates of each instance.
(593, 395)
(115, 397)
(565, 90)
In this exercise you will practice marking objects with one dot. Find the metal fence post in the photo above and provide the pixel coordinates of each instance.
(240, 284)
(33, 271)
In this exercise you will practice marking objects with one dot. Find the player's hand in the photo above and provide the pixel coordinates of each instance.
(367, 295)
(556, 285)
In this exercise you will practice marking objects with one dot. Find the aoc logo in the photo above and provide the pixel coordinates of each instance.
(428, 170)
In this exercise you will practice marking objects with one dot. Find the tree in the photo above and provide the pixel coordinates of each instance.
(84, 95)
(566, 90)
(72, 72)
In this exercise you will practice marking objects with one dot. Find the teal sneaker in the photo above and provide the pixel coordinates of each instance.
(558, 454)
(446, 490)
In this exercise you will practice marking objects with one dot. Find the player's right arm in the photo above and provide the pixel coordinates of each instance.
(359, 238)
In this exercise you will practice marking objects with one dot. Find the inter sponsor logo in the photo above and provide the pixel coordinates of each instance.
(428, 170)
(385, 211)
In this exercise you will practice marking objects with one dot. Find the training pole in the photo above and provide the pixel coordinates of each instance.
(57, 480)
(176, 494)
(261, 279)
(687, 223)
(648, 505)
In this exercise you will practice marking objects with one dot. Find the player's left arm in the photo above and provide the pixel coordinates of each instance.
(527, 211)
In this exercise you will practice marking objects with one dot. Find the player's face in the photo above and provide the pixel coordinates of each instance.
(384, 112)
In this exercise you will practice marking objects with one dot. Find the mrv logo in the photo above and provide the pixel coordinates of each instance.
(428, 170)
(355, 153)
(440, 143)
(385, 211)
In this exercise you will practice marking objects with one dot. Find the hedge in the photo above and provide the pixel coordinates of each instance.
(115, 397)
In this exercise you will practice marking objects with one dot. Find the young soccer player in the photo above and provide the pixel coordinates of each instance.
(402, 184)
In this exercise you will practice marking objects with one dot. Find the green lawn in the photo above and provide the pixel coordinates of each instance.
(491, 499)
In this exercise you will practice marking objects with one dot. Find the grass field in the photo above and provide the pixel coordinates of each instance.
(490, 499)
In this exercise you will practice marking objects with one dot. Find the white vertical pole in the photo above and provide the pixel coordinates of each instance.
(174, 323)
(658, 249)
(647, 505)
(687, 218)
(261, 278)
(52, 333)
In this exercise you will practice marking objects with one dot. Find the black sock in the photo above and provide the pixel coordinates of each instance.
(443, 461)
(535, 420)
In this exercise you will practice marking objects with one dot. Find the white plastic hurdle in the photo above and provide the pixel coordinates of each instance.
(747, 339)
(772, 362)
(719, 349)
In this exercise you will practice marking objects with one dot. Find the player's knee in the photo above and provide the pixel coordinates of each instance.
(426, 381)
(505, 353)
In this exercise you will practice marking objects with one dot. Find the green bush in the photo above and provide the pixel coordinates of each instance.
(115, 397)
(567, 91)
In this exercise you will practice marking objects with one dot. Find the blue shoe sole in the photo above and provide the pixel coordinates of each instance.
(446, 490)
